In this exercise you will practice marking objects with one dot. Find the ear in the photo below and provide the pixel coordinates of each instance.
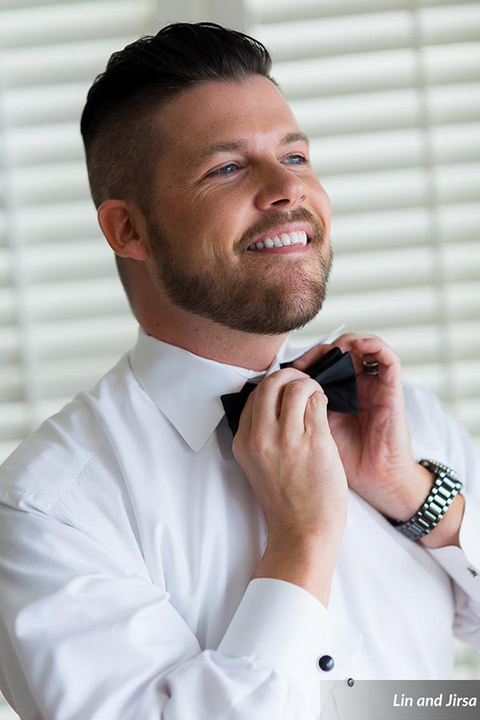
(124, 228)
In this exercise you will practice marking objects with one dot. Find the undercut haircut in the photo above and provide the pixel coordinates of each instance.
(121, 138)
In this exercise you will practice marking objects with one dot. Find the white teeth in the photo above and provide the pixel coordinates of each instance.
(298, 237)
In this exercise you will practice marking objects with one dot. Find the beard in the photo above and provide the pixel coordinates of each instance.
(253, 294)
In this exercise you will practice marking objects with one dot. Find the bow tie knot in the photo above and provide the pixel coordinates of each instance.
(334, 372)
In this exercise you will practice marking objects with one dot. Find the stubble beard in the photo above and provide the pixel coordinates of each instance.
(283, 299)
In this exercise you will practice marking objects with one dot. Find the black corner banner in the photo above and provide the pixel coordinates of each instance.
(400, 700)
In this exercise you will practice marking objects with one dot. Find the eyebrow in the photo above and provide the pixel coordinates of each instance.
(232, 145)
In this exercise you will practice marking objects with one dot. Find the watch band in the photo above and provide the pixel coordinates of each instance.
(446, 486)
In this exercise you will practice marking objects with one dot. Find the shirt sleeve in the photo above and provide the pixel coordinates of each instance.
(455, 448)
(82, 636)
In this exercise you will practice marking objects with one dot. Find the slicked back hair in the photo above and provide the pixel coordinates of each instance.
(121, 139)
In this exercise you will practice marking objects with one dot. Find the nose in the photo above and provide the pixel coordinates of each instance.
(280, 187)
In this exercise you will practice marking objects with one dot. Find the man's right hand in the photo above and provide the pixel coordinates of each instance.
(290, 458)
(288, 454)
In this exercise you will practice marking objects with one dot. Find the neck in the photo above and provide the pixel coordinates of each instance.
(163, 320)
(210, 340)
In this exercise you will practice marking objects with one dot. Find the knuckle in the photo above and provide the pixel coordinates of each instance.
(294, 386)
(258, 443)
(285, 437)
(349, 337)
(319, 397)
(273, 380)
(238, 446)
(319, 404)
(290, 372)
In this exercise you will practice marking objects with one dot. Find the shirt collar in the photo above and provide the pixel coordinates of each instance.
(187, 387)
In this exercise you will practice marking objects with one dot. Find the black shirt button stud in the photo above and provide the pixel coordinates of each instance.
(325, 663)
(350, 682)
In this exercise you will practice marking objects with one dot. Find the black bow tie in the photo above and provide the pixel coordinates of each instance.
(334, 372)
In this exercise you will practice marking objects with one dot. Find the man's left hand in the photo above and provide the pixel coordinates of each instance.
(374, 444)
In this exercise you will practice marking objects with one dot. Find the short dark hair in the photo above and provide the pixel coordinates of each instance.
(120, 138)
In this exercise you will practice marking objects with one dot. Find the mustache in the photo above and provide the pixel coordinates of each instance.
(274, 221)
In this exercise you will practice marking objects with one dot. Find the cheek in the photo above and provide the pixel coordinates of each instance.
(220, 219)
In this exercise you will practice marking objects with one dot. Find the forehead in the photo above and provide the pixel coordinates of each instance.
(221, 111)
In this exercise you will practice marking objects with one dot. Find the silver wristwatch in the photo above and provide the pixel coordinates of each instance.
(446, 486)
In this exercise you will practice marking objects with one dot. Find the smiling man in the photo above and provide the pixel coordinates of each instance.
(156, 560)
(234, 171)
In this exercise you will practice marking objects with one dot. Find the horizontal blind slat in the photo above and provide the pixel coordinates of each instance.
(300, 39)
(73, 22)
(61, 63)
(273, 11)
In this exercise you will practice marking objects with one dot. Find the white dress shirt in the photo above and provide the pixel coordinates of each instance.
(129, 536)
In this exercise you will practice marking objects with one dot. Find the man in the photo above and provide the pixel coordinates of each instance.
(151, 563)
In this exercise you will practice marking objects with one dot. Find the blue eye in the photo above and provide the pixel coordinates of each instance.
(223, 170)
(302, 159)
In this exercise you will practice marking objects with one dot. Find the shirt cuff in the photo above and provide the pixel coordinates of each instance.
(287, 628)
(463, 563)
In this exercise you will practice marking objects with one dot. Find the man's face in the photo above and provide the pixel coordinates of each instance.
(210, 207)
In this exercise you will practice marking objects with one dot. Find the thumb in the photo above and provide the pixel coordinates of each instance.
(312, 355)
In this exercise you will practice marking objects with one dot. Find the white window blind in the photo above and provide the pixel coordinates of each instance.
(389, 93)
(64, 319)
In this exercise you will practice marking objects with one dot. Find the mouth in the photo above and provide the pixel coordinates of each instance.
(285, 243)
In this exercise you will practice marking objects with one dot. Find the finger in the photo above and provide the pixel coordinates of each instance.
(311, 356)
(316, 419)
(347, 341)
(344, 342)
(373, 349)
(268, 398)
(358, 345)
(294, 402)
